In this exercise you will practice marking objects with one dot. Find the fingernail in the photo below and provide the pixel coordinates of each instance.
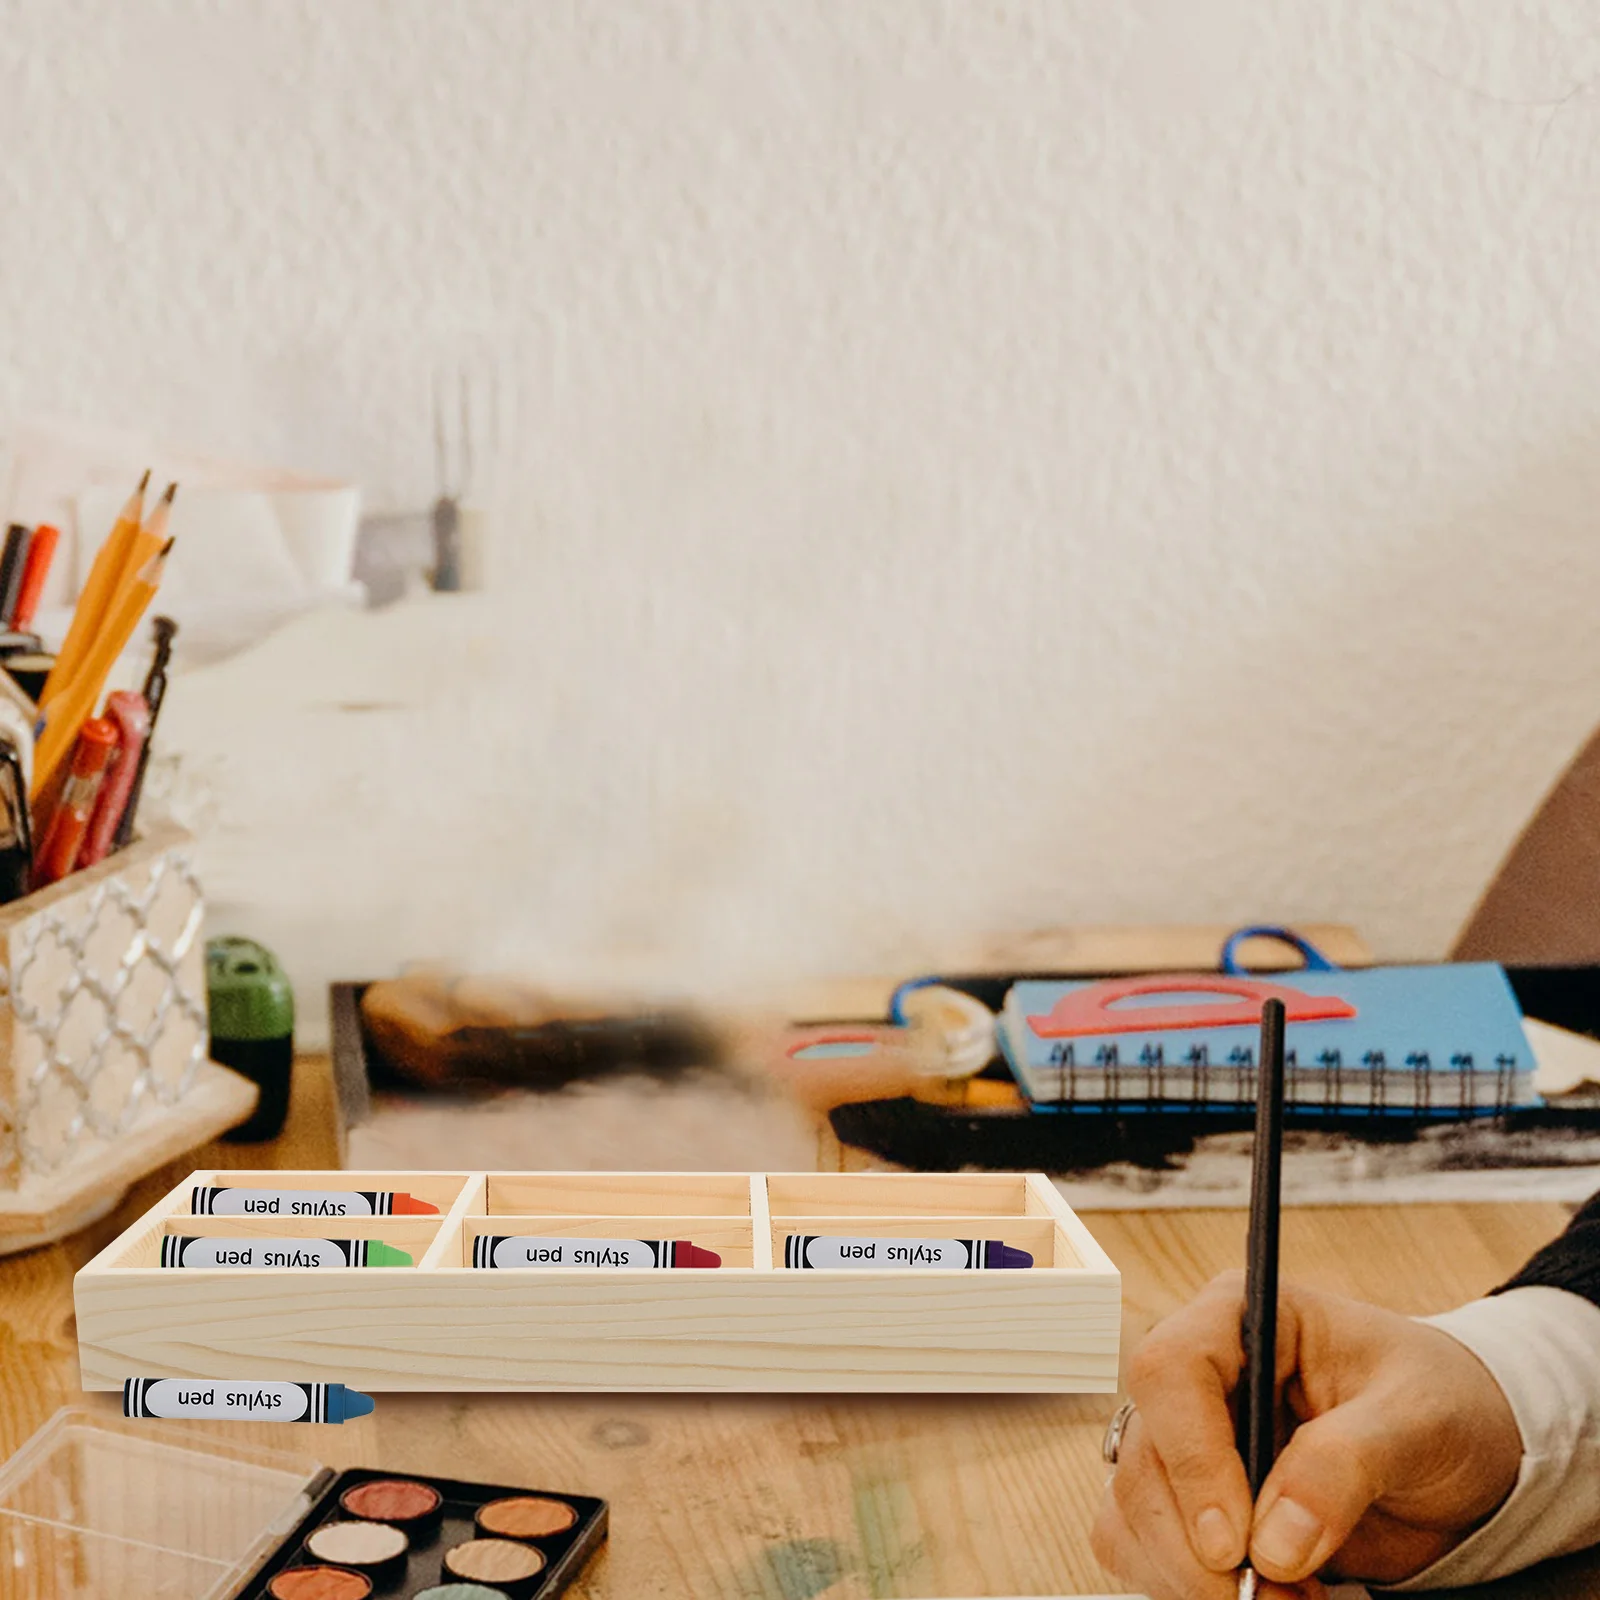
(1287, 1538)
(1213, 1537)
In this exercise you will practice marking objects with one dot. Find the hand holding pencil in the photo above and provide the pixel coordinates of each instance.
(1399, 1441)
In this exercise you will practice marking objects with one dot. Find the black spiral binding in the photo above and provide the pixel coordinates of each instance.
(1210, 1082)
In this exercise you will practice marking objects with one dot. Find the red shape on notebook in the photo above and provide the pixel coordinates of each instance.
(804, 1040)
(1089, 1010)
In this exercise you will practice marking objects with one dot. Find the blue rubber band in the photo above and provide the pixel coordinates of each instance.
(897, 1013)
(1314, 958)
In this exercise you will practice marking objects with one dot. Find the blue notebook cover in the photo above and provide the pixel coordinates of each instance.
(1445, 1040)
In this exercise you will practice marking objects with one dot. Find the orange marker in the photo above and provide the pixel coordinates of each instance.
(91, 756)
(40, 554)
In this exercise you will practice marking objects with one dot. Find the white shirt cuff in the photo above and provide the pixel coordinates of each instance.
(1542, 1347)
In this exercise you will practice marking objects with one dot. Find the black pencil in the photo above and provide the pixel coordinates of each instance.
(1258, 1382)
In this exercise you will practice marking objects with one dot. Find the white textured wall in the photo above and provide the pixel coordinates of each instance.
(978, 463)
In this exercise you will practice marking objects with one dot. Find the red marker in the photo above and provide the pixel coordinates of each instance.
(40, 554)
(91, 756)
(128, 712)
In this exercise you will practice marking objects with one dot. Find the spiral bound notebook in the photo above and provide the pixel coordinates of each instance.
(1444, 1040)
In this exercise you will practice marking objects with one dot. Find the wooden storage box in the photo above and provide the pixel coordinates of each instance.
(443, 1325)
(103, 1037)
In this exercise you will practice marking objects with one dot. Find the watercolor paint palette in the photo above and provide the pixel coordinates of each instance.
(786, 1282)
(95, 1507)
(373, 1535)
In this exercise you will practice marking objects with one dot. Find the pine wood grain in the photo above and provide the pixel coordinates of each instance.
(444, 1326)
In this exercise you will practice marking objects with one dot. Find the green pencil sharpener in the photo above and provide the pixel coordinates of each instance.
(252, 1028)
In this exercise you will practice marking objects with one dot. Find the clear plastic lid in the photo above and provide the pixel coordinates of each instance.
(94, 1507)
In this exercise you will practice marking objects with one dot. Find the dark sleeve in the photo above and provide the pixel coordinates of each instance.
(1571, 1262)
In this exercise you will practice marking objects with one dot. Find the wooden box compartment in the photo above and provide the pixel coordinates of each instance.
(617, 1194)
(748, 1326)
(909, 1194)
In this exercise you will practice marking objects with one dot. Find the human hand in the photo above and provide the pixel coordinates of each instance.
(1402, 1444)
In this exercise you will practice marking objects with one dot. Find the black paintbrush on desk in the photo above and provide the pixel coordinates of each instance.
(1257, 1383)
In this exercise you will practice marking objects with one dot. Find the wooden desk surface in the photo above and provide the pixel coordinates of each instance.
(784, 1499)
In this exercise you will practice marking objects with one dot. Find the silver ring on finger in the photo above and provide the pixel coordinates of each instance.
(1116, 1429)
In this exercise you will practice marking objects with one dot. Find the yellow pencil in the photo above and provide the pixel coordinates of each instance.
(105, 577)
(73, 706)
(147, 542)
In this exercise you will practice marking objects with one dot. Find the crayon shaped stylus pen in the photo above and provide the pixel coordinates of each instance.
(308, 1253)
(240, 1400)
(960, 1255)
(308, 1203)
(525, 1250)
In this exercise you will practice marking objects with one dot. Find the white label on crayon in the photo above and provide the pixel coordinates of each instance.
(188, 1397)
(876, 1253)
(311, 1253)
(526, 1251)
(281, 1203)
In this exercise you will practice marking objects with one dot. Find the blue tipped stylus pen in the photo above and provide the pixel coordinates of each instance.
(240, 1400)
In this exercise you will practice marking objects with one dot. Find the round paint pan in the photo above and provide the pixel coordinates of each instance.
(526, 1516)
(503, 1564)
(403, 1503)
(319, 1583)
(374, 1549)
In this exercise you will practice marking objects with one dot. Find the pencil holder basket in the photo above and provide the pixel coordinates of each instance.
(103, 1039)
